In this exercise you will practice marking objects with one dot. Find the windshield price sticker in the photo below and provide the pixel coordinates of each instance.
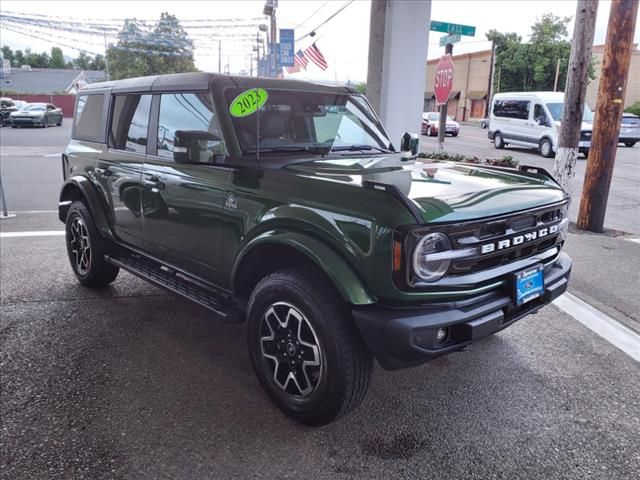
(248, 102)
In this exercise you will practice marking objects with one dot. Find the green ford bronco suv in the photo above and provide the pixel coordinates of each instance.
(285, 204)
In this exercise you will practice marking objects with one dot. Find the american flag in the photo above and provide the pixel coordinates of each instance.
(300, 62)
(315, 55)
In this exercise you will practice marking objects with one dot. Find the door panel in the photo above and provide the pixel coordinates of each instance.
(119, 166)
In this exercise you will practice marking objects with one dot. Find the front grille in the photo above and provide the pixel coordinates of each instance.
(585, 136)
(502, 241)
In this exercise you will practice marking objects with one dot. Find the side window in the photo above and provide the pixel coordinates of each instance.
(512, 109)
(130, 122)
(188, 119)
(88, 122)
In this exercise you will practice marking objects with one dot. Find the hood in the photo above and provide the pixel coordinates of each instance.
(28, 113)
(584, 126)
(442, 191)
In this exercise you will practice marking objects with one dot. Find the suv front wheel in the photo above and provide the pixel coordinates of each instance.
(305, 348)
(86, 248)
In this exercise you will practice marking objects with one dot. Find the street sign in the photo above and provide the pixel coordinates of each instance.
(445, 27)
(287, 45)
(444, 79)
(453, 38)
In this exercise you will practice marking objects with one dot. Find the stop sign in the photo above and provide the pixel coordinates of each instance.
(444, 79)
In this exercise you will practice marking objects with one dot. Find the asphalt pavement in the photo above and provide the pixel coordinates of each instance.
(129, 382)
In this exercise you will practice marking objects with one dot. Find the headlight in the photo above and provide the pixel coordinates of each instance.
(426, 263)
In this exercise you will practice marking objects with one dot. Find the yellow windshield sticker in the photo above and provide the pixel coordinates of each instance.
(248, 102)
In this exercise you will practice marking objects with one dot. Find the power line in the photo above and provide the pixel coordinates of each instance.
(327, 20)
(312, 15)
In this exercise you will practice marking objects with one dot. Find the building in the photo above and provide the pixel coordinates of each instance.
(633, 83)
(48, 81)
(470, 85)
(471, 81)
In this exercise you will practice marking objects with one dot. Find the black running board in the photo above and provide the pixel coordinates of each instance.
(179, 283)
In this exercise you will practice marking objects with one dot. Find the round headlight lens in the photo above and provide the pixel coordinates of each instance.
(430, 269)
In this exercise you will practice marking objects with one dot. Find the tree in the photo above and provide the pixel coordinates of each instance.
(18, 58)
(138, 52)
(7, 54)
(36, 60)
(532, 65)
(98, 63)
(57, 58)
(82, 62)
(361, 87)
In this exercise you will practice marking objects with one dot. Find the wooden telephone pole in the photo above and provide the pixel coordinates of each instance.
(576, 91)
(606, 128)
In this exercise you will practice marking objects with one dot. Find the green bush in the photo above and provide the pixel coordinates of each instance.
(635, 108)
(504, 161)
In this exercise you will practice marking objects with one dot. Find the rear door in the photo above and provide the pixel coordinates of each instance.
(119, 166)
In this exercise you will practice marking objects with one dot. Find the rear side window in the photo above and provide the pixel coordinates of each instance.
(88, 123)
(512, 109)
(630, 121)
(130, 122)
(188, 117)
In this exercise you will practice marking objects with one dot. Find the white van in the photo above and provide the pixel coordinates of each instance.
(532, 119)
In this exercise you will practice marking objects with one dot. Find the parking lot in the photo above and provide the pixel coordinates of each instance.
(131, 382)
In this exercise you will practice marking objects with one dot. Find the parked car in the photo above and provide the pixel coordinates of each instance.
(484, 123)
(37, 114)
(272, 207)
(20, 105)
(532, 119)
(7, 106)
(629, 129)
(431, 123)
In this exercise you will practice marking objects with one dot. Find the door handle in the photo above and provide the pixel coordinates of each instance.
(153, 182)
(105, 172)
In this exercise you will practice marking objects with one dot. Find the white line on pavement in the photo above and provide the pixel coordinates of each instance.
(634, 239)
(612, 331)
(43, 233)
(35, 211)
(52, 155)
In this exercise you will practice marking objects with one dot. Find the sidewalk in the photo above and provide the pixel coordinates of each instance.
(606, 274)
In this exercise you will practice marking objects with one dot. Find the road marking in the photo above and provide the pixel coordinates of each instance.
(35, 211)
(635, 239)
(602, 324)
(52, 155)
(43, 233)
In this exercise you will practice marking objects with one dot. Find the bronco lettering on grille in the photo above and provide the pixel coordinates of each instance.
(518, 239)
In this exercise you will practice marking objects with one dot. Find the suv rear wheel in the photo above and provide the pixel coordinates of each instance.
(305, 348)
(86, 248)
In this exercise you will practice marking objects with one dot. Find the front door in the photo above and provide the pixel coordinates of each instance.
(183, 199)
(119, 166)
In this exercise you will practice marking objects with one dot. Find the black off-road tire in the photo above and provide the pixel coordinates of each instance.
(59, 123)
(93, 271)
(629, 144)
(498, 141)
(342, 379)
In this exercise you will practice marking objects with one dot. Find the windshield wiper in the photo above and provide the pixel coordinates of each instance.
(357, 148)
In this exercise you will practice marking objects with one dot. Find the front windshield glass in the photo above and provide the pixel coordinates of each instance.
(555, 109)
(314, 122)
(34, 107)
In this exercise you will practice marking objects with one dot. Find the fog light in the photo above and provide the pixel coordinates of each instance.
(442, 334)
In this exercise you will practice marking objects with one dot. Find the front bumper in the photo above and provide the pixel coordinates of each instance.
(405, 337)
(26, 121)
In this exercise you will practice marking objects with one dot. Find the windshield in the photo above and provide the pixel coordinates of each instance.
(34, 107)
(296, 121)
(555, 109)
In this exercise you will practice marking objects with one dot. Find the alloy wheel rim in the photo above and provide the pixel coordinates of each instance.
(545, 148)
(80, 245)
(291, 349)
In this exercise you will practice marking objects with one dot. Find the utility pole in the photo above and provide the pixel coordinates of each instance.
(106, 55)
(555, 82)
(492, 68)
(442, 122)
(219, 56)
(606, 128)
(575, 93)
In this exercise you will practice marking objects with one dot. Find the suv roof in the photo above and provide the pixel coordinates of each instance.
(203, 81)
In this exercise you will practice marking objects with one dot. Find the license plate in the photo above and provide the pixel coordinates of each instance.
(529, 284)
(584, 144)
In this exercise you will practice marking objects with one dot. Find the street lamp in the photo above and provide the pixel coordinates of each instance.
(261, 28)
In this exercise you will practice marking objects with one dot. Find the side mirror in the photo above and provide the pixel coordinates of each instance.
(197, 146)
(409, 143)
